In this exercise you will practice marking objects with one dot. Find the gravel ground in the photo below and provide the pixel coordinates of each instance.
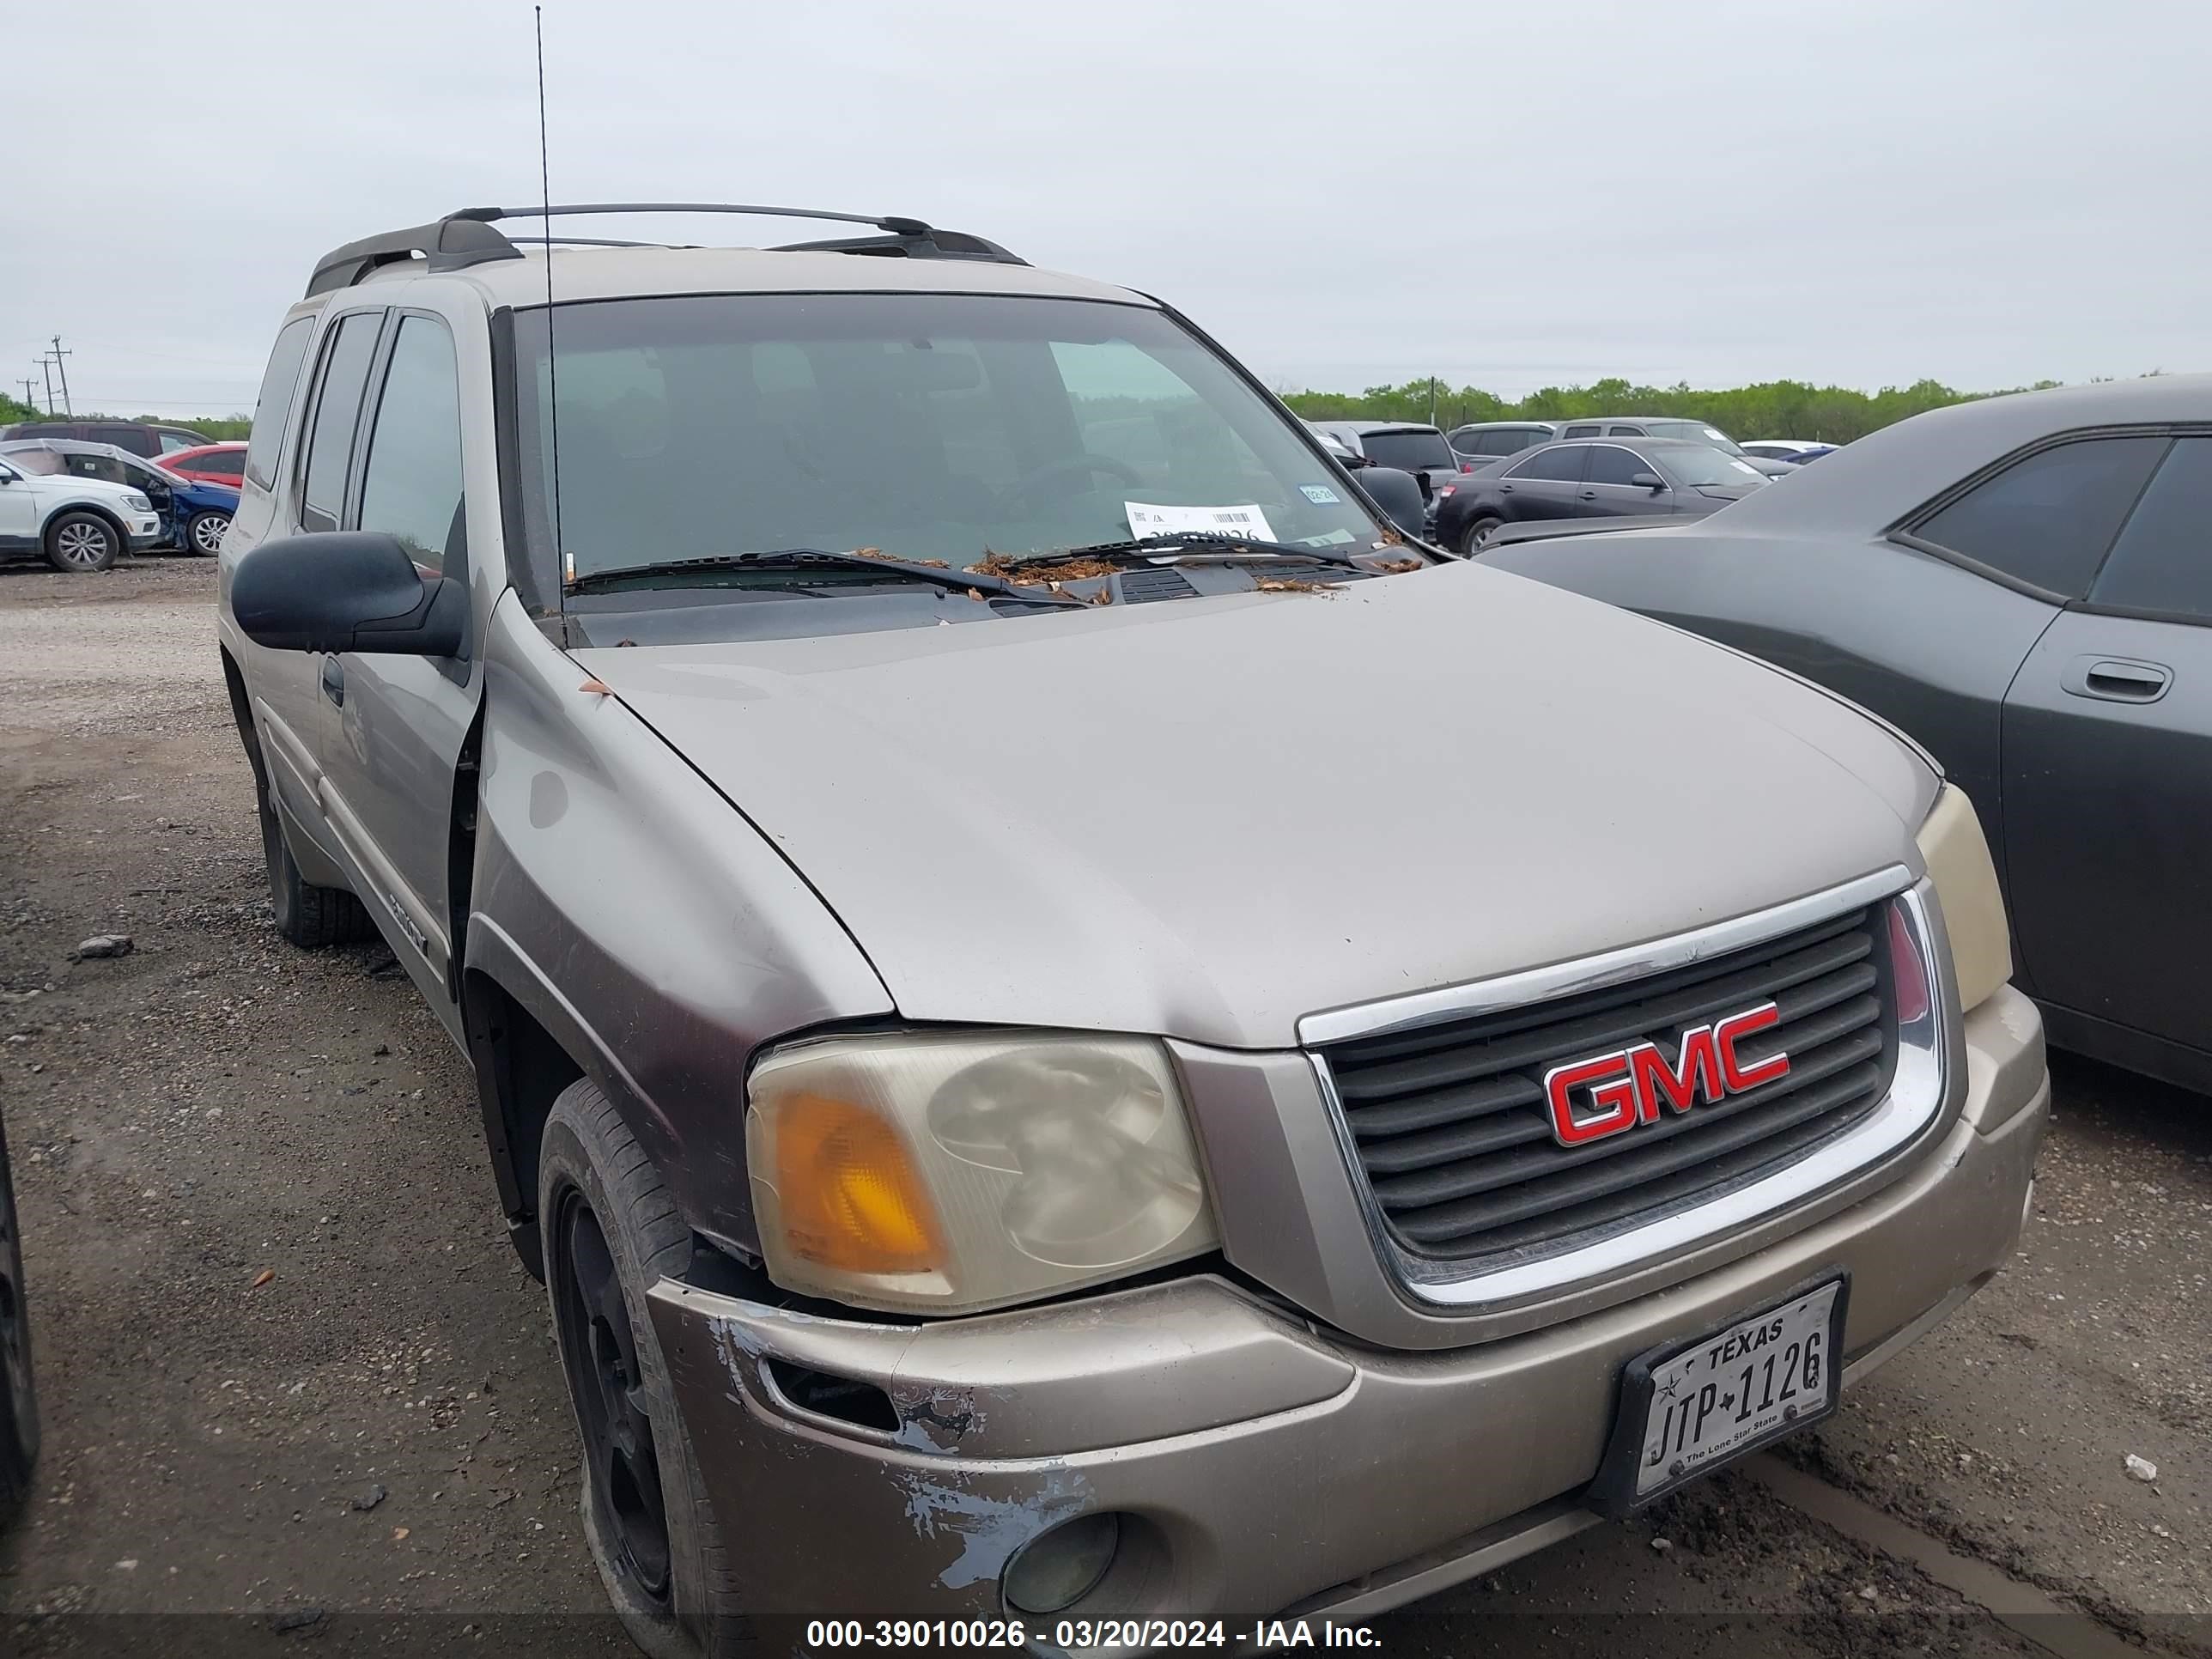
(269, 1284)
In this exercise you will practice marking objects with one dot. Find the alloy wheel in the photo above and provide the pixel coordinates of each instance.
(81, 545)
(207, 533)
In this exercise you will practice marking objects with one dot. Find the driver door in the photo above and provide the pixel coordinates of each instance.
(1607, 491)
(394, 732)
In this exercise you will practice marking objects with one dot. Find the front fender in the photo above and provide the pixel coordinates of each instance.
(637, 914)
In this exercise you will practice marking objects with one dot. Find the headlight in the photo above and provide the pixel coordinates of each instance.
(1958, 860)
(132, 499)
(958, 1172)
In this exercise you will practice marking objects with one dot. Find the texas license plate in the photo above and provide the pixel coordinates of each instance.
(1689, 1407)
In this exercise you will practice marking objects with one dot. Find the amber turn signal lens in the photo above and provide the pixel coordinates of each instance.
(849, 1196)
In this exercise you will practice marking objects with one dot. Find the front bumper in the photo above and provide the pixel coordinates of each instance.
(1260, 1463)
(145, 531)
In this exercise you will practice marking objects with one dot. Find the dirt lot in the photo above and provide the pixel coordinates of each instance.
(269, 1284)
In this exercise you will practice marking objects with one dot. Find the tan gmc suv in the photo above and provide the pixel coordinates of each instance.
(1079, 1028)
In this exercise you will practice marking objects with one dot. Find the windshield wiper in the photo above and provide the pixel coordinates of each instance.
(785, 558)
(1154, 546)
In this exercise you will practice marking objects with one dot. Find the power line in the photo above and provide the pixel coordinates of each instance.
(62, 369)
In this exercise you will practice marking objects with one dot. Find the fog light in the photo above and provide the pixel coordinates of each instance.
(1059, 1568)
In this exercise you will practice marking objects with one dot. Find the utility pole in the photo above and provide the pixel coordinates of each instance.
(62, 369)
(47, 364)
(27, 383)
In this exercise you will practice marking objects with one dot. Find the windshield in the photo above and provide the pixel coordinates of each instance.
(1698, 433)
(921, 426)
(1409, 450)
(43, 462)
(1703, 466)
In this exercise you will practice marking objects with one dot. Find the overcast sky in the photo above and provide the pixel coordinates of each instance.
(1510, 196)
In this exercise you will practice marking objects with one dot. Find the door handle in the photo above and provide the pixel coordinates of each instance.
(1505, 489)
(2117, 679)
(1590, 495)
(334, 681)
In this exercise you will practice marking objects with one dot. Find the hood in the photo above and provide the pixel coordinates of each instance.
(1207, 817)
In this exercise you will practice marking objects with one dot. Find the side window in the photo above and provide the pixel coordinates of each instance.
(2047, 520)
(337, 406)
(132, 438)
(1611, 465)
(1560, 465)
(2163, 559)
(411, 486)
(1589, 431)
(1508, 442)
(272, 407)
(105, 468)
(1625, 432)
(223, 464)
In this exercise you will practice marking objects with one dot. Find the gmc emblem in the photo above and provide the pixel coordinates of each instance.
(1626, 1086)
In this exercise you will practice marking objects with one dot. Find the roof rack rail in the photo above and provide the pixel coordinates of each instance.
(465, 237)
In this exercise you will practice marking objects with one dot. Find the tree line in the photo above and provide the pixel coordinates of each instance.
(1772, 409)
(218, 428)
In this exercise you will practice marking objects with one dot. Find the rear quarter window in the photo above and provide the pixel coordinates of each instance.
(2047, 520)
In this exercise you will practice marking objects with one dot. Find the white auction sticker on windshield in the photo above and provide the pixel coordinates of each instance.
(1146, 519)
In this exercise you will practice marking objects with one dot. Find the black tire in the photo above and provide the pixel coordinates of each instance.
(609, 1231)
(1478, 533)
(311, 917)
(80, 542)
(18, 1402)
(203, 532)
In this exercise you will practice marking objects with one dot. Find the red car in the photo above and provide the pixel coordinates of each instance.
(223, 463)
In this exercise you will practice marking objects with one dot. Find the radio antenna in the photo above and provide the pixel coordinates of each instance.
(552, 370)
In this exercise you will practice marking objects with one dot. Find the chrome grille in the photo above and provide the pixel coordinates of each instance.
(1455, 1133)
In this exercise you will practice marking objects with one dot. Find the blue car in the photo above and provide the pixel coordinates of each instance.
(194, 512)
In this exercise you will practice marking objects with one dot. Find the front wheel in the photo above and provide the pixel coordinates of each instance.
(610, 1232)
(80, 542)
(204, 535)
(1479, 533)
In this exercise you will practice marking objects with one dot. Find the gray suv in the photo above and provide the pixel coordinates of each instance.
(1030, 1005)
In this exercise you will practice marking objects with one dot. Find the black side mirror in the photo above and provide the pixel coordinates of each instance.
(1400, 497)
(1650, 481)
(346, 590)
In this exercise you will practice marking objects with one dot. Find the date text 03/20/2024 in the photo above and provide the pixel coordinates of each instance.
(1076, 1635)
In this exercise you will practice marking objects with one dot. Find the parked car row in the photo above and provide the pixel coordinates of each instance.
(1635, 478)
(1486, 442)
(2024, 584)
(140, 437)
(191, 510)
